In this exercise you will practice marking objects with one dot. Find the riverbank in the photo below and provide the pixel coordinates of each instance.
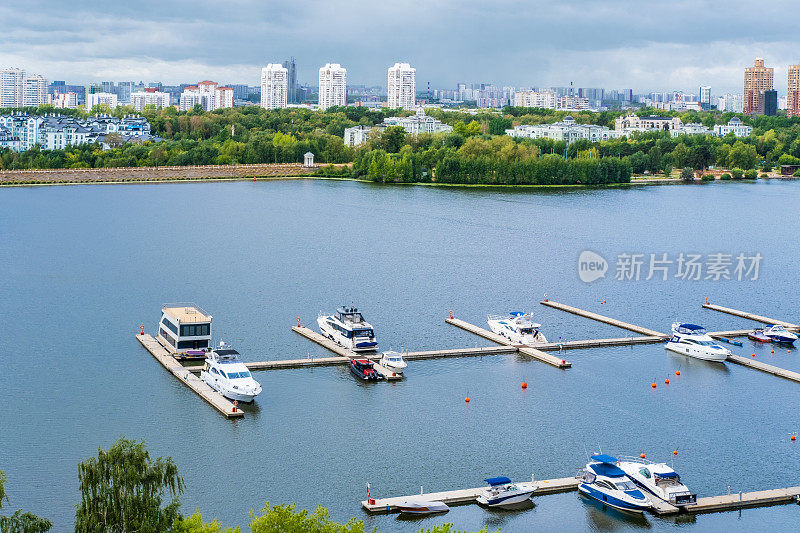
(156, 174)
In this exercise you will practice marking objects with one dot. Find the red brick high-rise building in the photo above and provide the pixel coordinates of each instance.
(757, 79)
(793, 96)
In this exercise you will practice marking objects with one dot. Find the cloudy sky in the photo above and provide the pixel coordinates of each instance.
(642, 44)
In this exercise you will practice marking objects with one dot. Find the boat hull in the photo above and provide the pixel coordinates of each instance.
(705, 355)
(612, 501)
(503, 501)
(422, 508)
(758, 337)
(780, 339)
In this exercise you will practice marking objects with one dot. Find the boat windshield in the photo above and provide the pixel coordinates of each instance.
(625, 485)
(527, 331)
(362, 333)
(394, 358)
(699, 341)
(238, 375)
(777, 328)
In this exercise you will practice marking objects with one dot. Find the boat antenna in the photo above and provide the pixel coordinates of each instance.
(586, 452)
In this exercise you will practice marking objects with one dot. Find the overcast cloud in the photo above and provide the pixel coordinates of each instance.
(645, 45)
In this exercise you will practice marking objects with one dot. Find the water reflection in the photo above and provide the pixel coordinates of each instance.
(605, 518)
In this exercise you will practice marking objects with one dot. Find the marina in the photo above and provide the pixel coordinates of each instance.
(707, 504)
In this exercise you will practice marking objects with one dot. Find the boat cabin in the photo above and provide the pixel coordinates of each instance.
(184, 328)
(690, 329)
(353, 322)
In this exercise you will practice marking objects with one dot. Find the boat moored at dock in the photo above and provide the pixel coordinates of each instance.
(393, 361)
(517, 327)
(227, 374)
(692, 340)
(780, 334)
(363, 369)
(348, 328)
(422, 507)
(757, 335)
(501, 492)
(659, 479)
(605, 482)
(184, 330)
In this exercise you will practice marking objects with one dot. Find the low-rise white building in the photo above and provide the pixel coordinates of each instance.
(418, 123)
(652, 123)
(356, 135)
(572, 103)
(149, 96)
(67, 100)
(566, 130)
(691, 129)
(535, 99)
(206, 93)
(734, 126)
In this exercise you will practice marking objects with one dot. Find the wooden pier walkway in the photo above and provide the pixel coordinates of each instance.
(761, 498)
(185, 376)
(606, 320)
(462, 496)
(325, 342)
(499, 339)
(764, 367)
(750, 316)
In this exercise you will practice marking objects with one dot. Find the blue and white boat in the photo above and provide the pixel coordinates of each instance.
(349, 329)
(778, 333)
(517, 327)
(604, 481)
(501, 492)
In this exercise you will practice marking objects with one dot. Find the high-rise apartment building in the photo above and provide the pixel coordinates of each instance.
(705, 96)
(291, 80)
(757, 79)
(402, 86)
(274, 86)
(149, 96)
(793, 94)
(208, 94)
(34, 91)
(332, 86)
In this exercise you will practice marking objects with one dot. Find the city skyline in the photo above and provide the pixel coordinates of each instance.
(609, 45)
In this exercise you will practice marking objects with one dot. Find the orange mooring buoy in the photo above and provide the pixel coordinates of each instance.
(466, 399)
(677, 372)
(754, 355)
(524, 384)
(666, 381)
(675, 452)
(773, 351)
(641, 455)
(654, 385)
(793, 437)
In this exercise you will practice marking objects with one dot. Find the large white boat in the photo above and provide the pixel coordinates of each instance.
(605, 482)
(517, 327)
(692, 340)
(349, 329)
(184, 330)
(225, 373)
(659, 479)
(501, 492)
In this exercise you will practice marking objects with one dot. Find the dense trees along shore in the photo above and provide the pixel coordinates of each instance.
(476, 151)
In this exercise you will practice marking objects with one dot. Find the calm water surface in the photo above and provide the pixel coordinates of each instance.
(81, 267)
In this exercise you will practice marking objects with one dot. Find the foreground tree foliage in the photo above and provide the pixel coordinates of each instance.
(20, 522)
(122, 491)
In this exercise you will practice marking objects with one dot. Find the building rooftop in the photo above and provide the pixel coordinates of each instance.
(186, 313)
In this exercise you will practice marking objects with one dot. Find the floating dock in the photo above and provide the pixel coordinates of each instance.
(463, 496)
(185, 376)
(750, 316)
(709, 504)
(606, 320)
(499, 339)
(325, 342)
(764, 367)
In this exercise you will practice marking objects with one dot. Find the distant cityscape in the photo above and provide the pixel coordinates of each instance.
(279, 87)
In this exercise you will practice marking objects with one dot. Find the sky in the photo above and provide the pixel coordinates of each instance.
(641, 44)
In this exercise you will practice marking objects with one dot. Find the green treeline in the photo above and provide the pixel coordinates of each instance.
(475, 151)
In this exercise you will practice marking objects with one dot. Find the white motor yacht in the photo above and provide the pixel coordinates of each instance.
(692, 340)
(517, 327)
(502, 492)
(393, 361)
(659, 479)
(605, 482)
(778, 333)
(225, 373)
(349, 329)
(422, 507)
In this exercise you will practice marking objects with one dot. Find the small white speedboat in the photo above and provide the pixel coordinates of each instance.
(224, 372)
(502, 492)
(605, 482)
(393, 361)
(422, 507)
(692, 340)
(658, 479)
(778, 333)
(517, 327)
